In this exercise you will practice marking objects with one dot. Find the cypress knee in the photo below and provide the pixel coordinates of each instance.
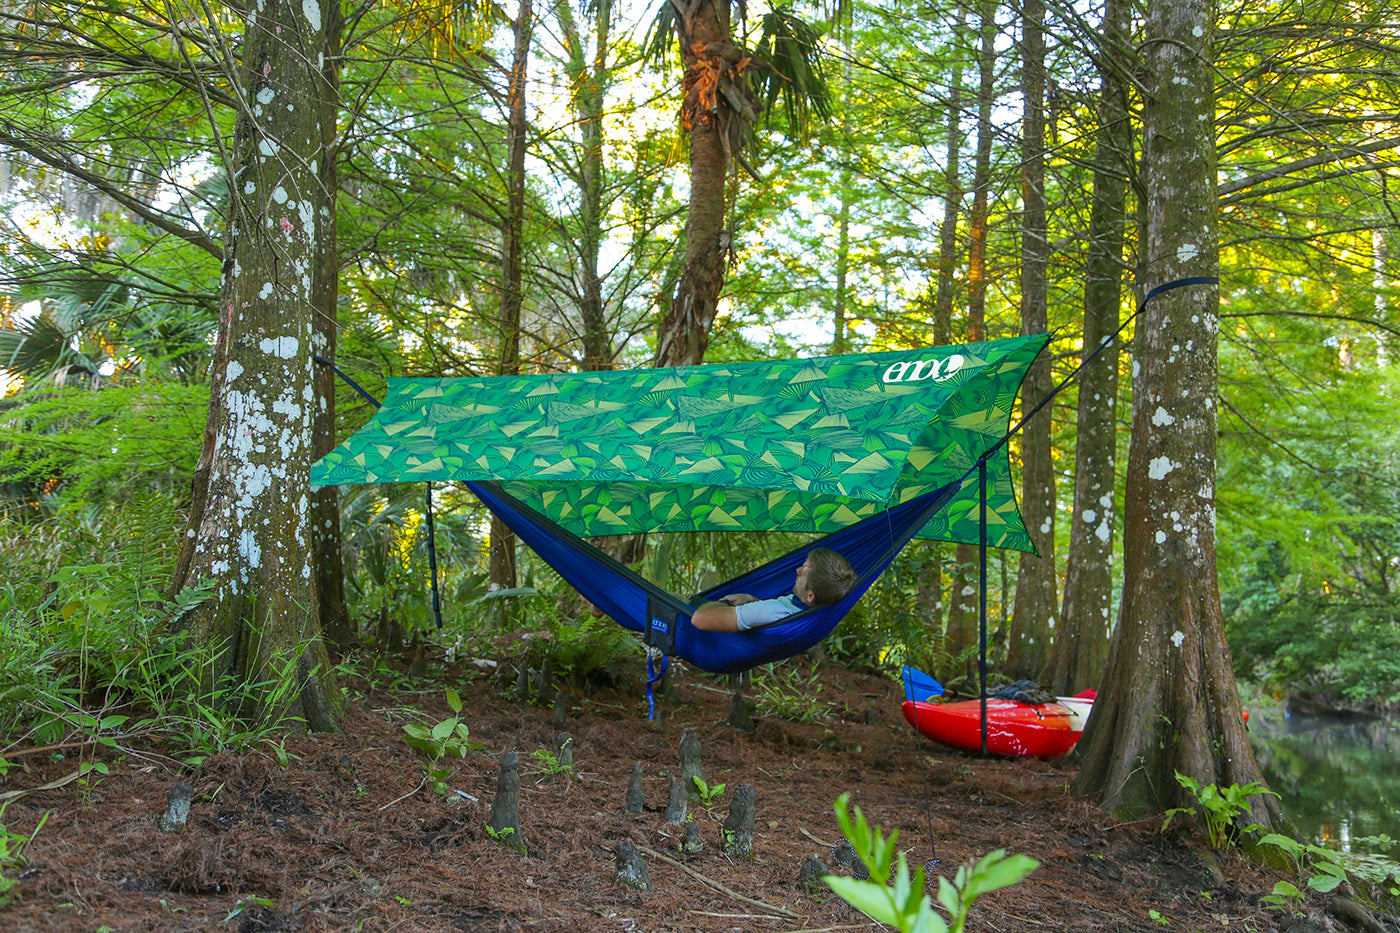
(505, 809)
(738, 826)
(691, 769)
(676, 802)
(810, 875)
(636, 796)
(631, 869)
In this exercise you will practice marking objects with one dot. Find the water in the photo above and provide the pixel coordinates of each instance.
(1338, 780)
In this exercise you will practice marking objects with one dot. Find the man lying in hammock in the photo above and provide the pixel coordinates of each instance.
(824, 578)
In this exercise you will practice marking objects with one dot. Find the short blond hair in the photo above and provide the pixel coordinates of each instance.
(829, 576)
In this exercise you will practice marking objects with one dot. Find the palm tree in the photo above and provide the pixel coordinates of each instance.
(727, 88)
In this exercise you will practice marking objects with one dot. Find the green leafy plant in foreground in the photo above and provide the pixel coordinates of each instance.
(1219, 806)
(450, 737)
(903, 904)
(12, 847)
(1322, 866)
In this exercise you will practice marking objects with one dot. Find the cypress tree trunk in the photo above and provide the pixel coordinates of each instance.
(1168, 701)
(962, 631)
(590, 81)
(325, 500)
(1080, 645)
(250, 525)
(1036, 599)
(503, 543)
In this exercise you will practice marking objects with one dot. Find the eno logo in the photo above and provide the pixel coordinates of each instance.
(659, 625)
(919, 370)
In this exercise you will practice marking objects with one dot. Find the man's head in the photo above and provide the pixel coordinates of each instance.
(824, 578)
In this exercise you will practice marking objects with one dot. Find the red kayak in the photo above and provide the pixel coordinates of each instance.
(1043, 730)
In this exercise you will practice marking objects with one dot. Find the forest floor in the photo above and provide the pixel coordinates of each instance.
(337, 838)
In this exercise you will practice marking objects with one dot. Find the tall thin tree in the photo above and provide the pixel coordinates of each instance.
(961, 633)
(1037, 604)
(1080, 640)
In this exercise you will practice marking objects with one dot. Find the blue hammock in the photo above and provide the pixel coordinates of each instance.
(664, 619)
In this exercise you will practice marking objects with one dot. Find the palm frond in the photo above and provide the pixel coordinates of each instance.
(660, 40)
(792, 47)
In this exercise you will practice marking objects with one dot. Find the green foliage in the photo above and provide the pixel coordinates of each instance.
(1218, 807)
(548, 763)
(86, 614)
(91, 648)
(102, 446)
(576, 648)
(709, 793)
(1347, 648)
(448, 738)
(1319, 867)
(244, 903)
(12, 846)
(787, 692)
(903, 904)
(1309, 532)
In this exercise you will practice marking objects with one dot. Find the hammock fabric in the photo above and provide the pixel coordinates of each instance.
(868, 449)
(664, 619)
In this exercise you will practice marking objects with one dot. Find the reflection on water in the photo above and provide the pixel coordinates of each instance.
(1338, 780)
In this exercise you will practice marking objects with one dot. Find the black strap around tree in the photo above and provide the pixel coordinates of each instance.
(981, 468)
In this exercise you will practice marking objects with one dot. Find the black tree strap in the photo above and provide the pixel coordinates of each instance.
(981, 467)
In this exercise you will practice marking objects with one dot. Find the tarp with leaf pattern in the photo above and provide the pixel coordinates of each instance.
(797, 445)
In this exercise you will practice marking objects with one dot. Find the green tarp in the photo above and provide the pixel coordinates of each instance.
(798, 445)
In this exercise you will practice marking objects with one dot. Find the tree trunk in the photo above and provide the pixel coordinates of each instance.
(952, 196)
(1080, 646)
(1036, 600)
(685, 333)
(250, 525)
(590, 82)
(1168, 701)
(962, 631)
(840, 325)
(503, 543)
(325, 500)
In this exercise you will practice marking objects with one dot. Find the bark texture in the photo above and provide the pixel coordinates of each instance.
(961, 633)
(1079, 648)
(1037, 602)
(250, 524)
(1168, 701)
(325, 500)
(703, 32)
(502, 568)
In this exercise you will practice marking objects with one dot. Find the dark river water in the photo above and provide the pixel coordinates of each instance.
(1338, 780)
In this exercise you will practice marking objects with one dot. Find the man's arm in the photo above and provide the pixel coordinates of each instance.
(720, 616)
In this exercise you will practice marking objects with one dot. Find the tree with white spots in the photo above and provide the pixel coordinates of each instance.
(1168, 701)
(250, 523)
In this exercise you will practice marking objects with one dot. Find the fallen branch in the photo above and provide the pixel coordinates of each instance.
(421, 784)
(9, 795)
(728, 892)
(47, 748)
